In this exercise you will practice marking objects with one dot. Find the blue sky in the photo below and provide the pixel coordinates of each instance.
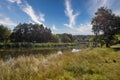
(62, 16)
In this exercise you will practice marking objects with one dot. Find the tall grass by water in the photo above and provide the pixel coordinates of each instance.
(89, 64)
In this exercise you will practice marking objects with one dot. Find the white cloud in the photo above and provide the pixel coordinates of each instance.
(110, 4)
(104, 3)
(82, 29)
(54, 28)
(117, 12)
(93, 5)
(31, 13)
(85, 29)
(41, 17)
(69, 13)
(6, 21)
(15, 1)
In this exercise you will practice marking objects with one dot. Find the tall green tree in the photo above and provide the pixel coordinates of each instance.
(31, 33)
(105, 24)
(20, 33)
(66, 38)
(4, 33)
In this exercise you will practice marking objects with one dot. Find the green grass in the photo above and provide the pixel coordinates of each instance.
(35, 45)
(89, 64)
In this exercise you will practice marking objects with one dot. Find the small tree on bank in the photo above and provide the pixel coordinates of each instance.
(105, 24)
(4, 33)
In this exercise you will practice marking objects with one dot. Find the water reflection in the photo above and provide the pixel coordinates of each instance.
(59, 52)
(75, 50)
(8, 59)
(8, 54)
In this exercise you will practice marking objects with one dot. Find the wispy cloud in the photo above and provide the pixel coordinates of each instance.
(31, 13)
(6, 21)
(83, 29)
(93, 5)
(69, 13)
(15, 1)
(28, 9)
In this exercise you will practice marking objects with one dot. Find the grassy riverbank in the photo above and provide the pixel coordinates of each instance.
(89, 64)
(36, 45)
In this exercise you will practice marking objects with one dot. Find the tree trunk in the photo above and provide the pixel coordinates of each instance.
(107, 45)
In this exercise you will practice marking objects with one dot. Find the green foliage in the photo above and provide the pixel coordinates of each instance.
(55, 38)
(38, 34)
(31, 33)
(65, 38)
(4, 33)
(82, 38)
(36, 45)
(105, 25)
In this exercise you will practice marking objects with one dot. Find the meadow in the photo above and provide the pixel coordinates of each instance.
(88, 64)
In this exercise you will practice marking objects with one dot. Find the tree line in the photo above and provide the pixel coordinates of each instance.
(36, 33)
(105, 25)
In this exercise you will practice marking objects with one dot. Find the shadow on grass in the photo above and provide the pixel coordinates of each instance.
(116, 49)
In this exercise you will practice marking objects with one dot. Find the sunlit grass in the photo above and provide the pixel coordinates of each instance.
(89, 64)
(116, 46)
